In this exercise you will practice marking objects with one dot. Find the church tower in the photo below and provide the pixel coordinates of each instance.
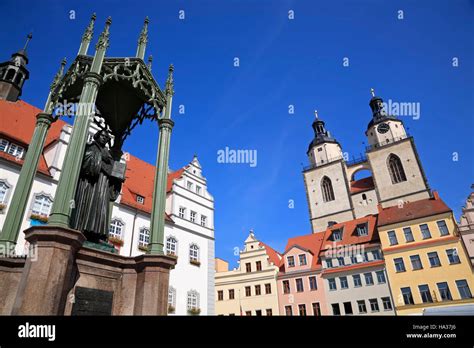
(396, 168)
(327, 187)
(13, 74)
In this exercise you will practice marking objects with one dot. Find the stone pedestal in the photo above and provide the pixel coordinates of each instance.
(48, 277)
(11, 269)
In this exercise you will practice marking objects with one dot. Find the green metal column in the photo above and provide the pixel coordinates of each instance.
(19, 201)
(161, 173)
(64, 197)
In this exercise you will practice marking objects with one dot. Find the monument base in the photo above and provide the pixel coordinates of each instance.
(79, 280)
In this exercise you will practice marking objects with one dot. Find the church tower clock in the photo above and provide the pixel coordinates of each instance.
(397, 171)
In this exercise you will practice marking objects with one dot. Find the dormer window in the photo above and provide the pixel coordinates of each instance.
(190, 186)
(291, 261)
(198, 189)
(11, 148)
(140, 199)
(337, 235)
(302, 259)
(362, 230)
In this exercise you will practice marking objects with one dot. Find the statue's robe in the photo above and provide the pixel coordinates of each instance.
(95, 190)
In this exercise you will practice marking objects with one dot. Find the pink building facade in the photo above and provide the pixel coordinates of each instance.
(300, 287)
(466, 225)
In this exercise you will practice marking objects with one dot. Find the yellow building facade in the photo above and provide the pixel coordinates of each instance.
(251, 288)
(426, 261)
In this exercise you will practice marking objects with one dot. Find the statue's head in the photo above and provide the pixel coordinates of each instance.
(102, 137)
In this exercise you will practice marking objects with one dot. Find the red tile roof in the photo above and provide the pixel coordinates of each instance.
(349, 233)
(362, 185)
(18, 121)
(311, 242)
(412, 210)
(273, 255)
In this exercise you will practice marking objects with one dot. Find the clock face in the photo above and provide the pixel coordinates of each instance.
(383, 128)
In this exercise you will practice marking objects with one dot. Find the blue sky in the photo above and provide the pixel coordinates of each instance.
(282, 62)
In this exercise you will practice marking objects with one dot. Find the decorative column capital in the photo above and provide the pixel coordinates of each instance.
(44, 118)
(166, 123)
(94, 78)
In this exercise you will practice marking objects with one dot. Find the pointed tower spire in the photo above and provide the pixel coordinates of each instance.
(142, 40)
(376, 104)
(58, 75)
(320, 133)
(28, 38)
(87, 37)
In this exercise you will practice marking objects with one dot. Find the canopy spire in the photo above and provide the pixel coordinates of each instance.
(87, 36)
(143, 39)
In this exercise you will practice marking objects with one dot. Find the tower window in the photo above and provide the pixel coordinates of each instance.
(396, 169)
(326, 188)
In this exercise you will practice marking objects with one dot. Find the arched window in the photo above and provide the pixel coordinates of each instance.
(171, 246)
(396, 169)
(144, 237)
(42, 205)
(193, 253)
(10, 75)
(326, 188)
(116, 228)
(193, 300)
(18, 78)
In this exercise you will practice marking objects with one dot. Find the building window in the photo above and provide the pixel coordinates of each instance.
(399, 265)
(203, 220)
(259, 265)
(335, 309)
(328, 263)
(42, 205)
(425, 231)
(408, 234)
(302, 259)
(362, 230)
(425, 293)
(193, 253)
(343, 281)
(171, 246)
(192, 216)
(361, 306)
(416, 262)
(3, 192)
(269, 312)
(395, 168)
(182, 212)
(392, 237)
(248, 291)
(268, 288)
(443, 229)
(258, 312)
(337, 235)
(340, 261)
(190, 185)
(407, 296)
(376, 255)
(288, 311)
(11, 148)
(299, 285)
(143, 237)
(332, 284)
(387, 303)
(286, 287)
(248, 313)
(231, 294)
(381, 277)
(316, 309)
(444, 291)
(463, 288)
(172, 297)
(302, 309)
(313, 285)
(116, 228)
(374, 305)
(140, 199)
(291, 261)
(220, 295)
(248, 267)
(198, 189)
(258, 290)
(434, 259)
(369, 280)
(357, 280)
(347, 308)
(453, 256)
(193, 300)
(326, 188)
